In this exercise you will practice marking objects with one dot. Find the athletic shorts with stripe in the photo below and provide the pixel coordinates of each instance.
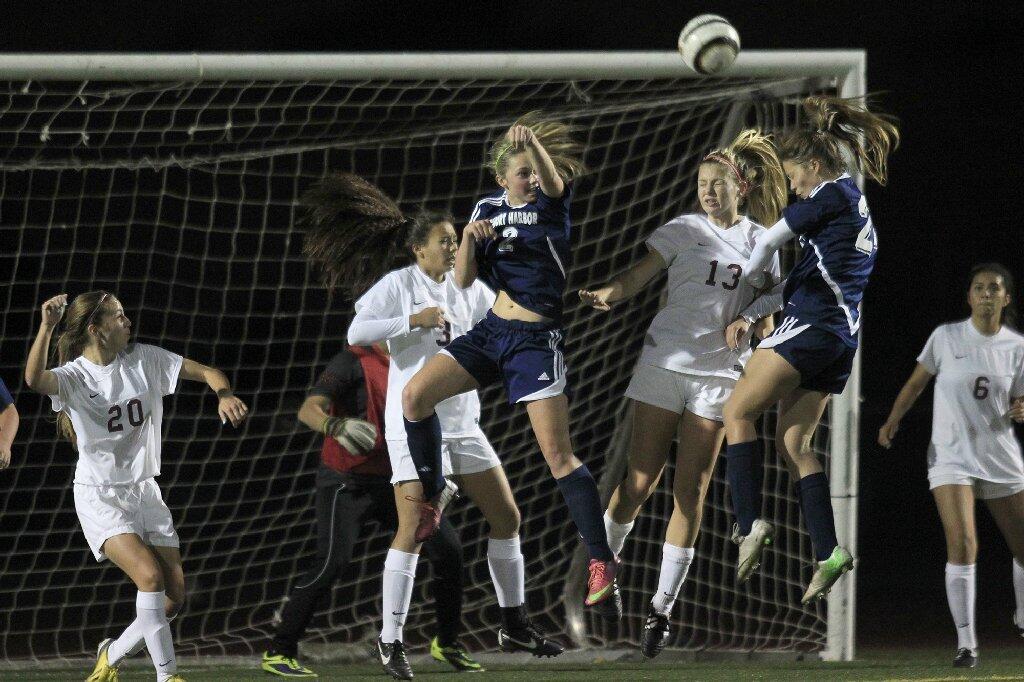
(527, 356)
(822, 358)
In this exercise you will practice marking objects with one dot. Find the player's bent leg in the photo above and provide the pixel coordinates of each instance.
(1008, 511)
(765, 380)
(140, 563)
(549, 418)
(652, 431)
(439, 379)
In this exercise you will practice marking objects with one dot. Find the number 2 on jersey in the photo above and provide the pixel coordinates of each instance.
(866, 239)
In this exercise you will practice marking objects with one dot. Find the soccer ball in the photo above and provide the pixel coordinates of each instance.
(709, 44)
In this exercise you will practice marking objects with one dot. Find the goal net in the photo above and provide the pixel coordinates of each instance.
(174, 182)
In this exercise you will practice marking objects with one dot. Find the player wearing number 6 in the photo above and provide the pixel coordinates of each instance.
(109, 394)
(811, 352)
(978, 365)
(688, 366)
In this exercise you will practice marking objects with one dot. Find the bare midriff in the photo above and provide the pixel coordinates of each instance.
(507, 309)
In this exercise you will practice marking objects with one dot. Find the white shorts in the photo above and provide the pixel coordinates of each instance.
(106, 511)
(703, 395)
(983, 490)
(463, 455)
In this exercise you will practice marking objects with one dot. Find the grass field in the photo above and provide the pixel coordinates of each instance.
(890, 664)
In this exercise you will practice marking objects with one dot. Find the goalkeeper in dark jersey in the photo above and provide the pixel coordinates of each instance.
(353, 487)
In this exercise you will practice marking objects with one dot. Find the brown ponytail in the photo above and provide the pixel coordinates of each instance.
(85, 310)
(835, 124)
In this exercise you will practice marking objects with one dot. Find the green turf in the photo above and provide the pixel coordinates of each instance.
(889, 665)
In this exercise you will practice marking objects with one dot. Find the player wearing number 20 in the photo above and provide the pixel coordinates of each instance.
(689, 364)
(110, 398)
(810, 354)
(978, 365)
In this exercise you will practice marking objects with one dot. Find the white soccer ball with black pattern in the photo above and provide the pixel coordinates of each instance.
(709, 44)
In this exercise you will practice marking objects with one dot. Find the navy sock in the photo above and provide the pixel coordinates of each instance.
(816, 505)
(745, 473)
(425, 447)
(580, 492)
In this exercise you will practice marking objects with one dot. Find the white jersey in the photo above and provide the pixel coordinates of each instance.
(402, 293)
(977, 376)
(117, 410)
(706, 292)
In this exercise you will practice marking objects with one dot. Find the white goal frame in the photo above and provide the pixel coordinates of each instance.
(847, 67)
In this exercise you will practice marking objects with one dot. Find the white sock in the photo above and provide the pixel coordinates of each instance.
(1018, 590)
(151, 623)
(616, 533)
(399, 574)
(675, 562)
(960, 594)
(506, 563)
(129, 643)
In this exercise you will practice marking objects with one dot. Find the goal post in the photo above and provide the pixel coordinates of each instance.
(174, 179)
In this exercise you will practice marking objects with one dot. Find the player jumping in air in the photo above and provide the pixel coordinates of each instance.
(518, 243)
(687, 368)
(978, 365)
(357, 234)
(811, 352)
(109, 394)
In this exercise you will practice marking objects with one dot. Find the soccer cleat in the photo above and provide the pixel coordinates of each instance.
(455, 655)
(655, 634)
(603, 588)
(278, 664)
(965, 658)
(392, 657)
(752, 547)
(103, 671)
(175, 678)
(431, 510)
(519, 634)
(827, 573)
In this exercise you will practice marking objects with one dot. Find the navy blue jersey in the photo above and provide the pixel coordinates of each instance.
(530, 257)
(826, 286)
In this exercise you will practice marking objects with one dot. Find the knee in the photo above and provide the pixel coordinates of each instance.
(735, 412)
(636, 488)
(561, 460)
(688, 496)
(506, 525)
(412, 401)
(962, 549)
(149, 579)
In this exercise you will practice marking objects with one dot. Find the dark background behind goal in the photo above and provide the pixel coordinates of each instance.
(950, 71)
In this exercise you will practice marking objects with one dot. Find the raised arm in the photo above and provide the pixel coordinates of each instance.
(767, 244)
(523, 139)
(229, 408)
(37, 377)
(626, 284)
(908, 395)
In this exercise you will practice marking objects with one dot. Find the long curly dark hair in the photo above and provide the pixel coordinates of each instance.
(355, 232)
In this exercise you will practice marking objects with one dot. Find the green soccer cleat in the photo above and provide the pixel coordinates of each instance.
(827, 573)
(103, 672)
(456, 656)
(277, 664)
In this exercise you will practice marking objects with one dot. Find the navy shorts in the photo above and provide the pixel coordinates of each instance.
(822, 358)
(527, 356)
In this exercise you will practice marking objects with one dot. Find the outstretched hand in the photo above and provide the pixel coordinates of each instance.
(597, 299)
(232, 409)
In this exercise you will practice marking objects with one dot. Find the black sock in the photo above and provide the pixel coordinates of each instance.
(744, 471)
(580, 492)
(514, 617)
(816, 505)
(425, 448)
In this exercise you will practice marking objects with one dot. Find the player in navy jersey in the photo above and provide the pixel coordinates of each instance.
(518, 243)
(811, 352)
(8, 424)
(357, 235)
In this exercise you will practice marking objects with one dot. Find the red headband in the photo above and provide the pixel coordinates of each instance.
(724, 160)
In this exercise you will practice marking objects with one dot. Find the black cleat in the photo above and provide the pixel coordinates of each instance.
(519, 634)
(392, 657)
(965, 658)
(655, 634)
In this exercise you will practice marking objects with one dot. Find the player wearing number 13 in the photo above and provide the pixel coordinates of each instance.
(811, 352)
(110, 398)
